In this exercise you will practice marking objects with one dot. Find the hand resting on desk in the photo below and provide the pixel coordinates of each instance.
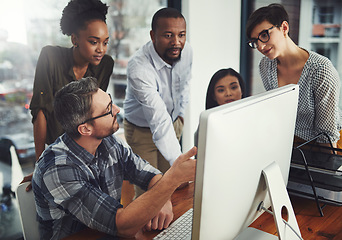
(162, 220)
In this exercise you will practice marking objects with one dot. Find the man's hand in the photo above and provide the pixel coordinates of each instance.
(184, 168)
(162, 220)
(153, 209)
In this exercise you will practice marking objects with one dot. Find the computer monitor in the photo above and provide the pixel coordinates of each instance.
(237, 141)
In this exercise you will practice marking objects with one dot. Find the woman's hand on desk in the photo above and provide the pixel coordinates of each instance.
(27, 178)
(162, 220)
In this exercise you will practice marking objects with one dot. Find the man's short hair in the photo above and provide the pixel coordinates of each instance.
(72, 104)
(273, 13)
(165, 13)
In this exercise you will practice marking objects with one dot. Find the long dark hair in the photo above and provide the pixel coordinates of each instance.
(210, 102)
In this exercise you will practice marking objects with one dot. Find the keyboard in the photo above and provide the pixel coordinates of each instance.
(179, 229)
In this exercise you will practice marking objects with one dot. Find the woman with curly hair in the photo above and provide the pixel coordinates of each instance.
(85, 22)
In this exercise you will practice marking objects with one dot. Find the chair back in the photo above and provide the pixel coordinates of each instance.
(27, 210)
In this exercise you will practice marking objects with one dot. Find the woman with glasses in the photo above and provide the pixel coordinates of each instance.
(85, 22)
(285, 63)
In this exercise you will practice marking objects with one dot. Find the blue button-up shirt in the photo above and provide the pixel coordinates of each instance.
(74, 188)
(157, 93)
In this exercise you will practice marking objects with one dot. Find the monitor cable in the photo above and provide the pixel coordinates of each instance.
(261, 207)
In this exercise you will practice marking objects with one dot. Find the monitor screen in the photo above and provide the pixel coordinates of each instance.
(236, 142)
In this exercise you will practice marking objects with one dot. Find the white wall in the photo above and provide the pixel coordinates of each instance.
(213, 30)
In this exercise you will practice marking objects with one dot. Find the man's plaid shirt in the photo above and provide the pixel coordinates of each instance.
(74, 189)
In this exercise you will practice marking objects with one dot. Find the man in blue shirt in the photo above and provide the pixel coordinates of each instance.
(77, 180)
(157, 91)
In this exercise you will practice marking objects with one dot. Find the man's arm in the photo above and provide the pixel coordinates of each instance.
(144, 89)
(137, 214)
(165, 215)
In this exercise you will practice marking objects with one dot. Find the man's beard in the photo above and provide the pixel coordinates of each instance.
(169, 59)
(103, 135)
(107, 132)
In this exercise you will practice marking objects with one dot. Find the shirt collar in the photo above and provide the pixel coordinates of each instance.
(73, 146)
(158, 62)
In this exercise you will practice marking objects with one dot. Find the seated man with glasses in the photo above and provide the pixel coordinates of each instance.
(77, 180)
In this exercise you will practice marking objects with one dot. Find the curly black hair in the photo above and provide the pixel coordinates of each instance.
(78, 12)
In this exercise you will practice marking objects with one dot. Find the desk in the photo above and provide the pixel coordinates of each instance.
(312, 226)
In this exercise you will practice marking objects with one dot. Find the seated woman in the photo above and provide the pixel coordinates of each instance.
(225, 86)
(285, 63)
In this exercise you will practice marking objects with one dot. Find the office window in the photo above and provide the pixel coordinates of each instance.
(325, 14)
(130, 23)
(23, 34)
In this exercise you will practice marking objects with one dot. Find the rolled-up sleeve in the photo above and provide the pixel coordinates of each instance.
(42, 98)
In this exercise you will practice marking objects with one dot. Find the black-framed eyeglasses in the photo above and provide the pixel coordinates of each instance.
(105, 114)
(264, 37)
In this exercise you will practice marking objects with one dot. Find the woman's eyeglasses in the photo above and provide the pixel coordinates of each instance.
(105, 114)
(264, 37)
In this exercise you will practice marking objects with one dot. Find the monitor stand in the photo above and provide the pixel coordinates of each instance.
(279, 199)
(255, 234)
